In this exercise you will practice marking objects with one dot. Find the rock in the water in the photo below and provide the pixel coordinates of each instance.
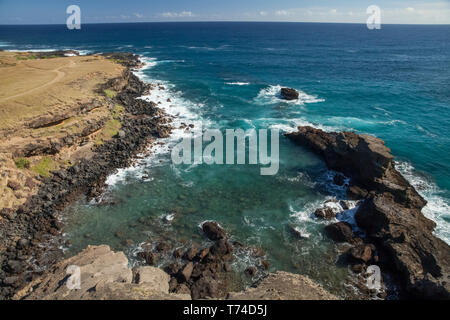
(150, 258)
(288, 94)
(222, 249)
(340, 231)
(325, 213)
(213, 231)
(295, 231)
(162, 247)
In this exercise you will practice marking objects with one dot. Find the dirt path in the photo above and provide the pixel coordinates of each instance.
(59, 76)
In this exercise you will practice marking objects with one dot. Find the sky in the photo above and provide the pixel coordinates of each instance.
(116, 11)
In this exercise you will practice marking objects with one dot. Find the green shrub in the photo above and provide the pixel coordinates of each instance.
(22, 163)
(110, 93)
(44, 166)
(117, 111)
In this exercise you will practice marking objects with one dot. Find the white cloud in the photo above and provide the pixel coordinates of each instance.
(437, 11)
(177, 14)
(282, 13)
(139, 15)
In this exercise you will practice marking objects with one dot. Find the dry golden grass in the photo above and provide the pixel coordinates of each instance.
(33, 87)
(53, 88)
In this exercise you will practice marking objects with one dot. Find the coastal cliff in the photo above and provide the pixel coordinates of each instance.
(64, 150)
(390, 213)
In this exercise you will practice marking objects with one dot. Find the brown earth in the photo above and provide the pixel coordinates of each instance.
(51, 115)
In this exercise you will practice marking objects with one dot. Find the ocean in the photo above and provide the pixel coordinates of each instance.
(393, 83)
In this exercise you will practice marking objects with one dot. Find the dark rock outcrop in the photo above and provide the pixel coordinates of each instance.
(391, 211)
(213, 231)
(288, 94)
(340, 231)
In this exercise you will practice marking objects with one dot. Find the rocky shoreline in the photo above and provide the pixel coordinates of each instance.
(25, 231)
(398, 237)
(105, 275)
(31, 258)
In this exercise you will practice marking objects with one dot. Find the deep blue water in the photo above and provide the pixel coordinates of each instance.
(393, 83)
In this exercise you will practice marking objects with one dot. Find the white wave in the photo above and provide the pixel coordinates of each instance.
(80, 52)
(289, 125)
(222, 47)
(348, 123)
(238, 83)
(182, 112)
(271, 95)
(438, 207)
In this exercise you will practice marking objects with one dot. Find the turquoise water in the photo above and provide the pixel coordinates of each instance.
(393, 83)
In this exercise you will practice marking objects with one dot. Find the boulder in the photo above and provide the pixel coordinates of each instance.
(213, 231)
(150, 258)
(186, 272)
(157, 278)
(325, 213)
(361, 253)
(222, 250)
(205, 287)
(288, 94)
(339, 231)
(191, 253)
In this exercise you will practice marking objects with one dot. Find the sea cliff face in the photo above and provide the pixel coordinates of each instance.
(390, 213)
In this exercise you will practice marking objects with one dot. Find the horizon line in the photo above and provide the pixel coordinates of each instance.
(222, 21)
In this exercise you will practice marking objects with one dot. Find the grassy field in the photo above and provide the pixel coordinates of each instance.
(45, 100)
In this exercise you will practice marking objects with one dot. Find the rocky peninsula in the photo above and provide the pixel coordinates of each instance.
(398, 237)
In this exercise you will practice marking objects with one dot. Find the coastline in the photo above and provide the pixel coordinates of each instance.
(37, 219)
(25, 229)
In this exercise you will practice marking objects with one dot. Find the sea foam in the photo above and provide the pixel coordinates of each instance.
(171, 101)
(437, 208)
(271, 95)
